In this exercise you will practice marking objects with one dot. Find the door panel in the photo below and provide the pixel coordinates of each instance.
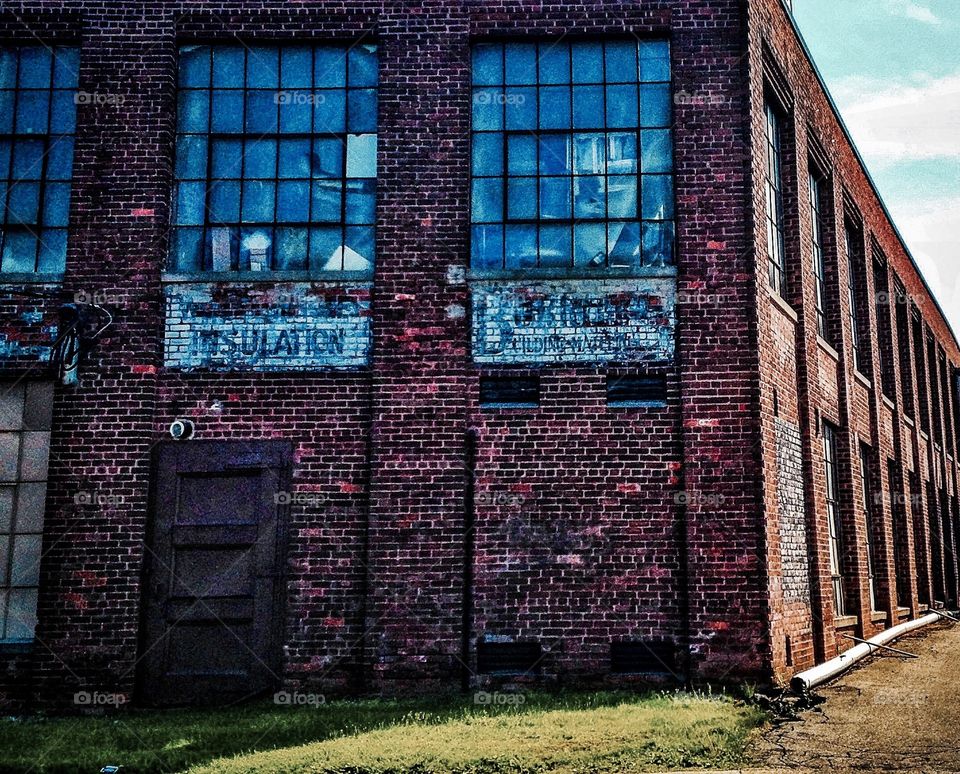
(214, 590)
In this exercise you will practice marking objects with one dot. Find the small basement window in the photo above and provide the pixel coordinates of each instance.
(509, 391)
(644, 656)
(636, 390)
(508, 658)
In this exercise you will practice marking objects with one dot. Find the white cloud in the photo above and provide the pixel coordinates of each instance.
(919, 13)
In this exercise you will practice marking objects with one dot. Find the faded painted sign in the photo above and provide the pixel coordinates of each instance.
(574, 321)
(284, 327)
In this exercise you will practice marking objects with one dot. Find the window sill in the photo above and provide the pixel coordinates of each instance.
(862, 379)
(29, 278)
(826, 347)
(578, 273)
(903, 612)
(845, 621)
(889, 403)
(908, 421)
(16, 647)
(267, 277)
(784, 305)
(878, 616)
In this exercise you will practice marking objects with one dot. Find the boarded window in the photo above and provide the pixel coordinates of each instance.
(509, 391)
(636, 390)
(508, 658)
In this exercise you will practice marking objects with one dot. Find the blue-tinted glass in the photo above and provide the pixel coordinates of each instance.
(35, 67)
(191, 157)
(362, 155)
(555, 247)
(555, 197)
(296, 68)
(655, 104)
(23, 203)
(294, 158)
(622, 196)
(6, 111)
(19, 252)
(5, 151)
(66, 68)
(621, 153)
(293, 201)
(8, 68)
(53, 251)
(487, 154)
(361, 201)
(521, 246)
(621, 61)
(228, 67)
(486, 247)
(262, 112)
(362, 110)
(521, 108)
(227, 158)
(194, 66)
(56, 204)
(590, 245)
(227, 114)
(291, 252)
(32, 112)
(258, 200)
(589, 198)
(624, 244)
(330, 67)
(622, 107)
(256, 248)
(296, 111)
(327, 201)
(587, 62)
(488, 109)
(555, 155)
(522, 154)
(263, 67)
(362, 66)
(63, 118)
(327, 158)
(190, 203)
(329, 112)
(27, 160)
(487, 65)
(486, 202)
(224, 201)
(555, 107)
(658, 244)
(187, 250)
(325, 252)
(521, 198)
(554, 63)
(521, 62)
(589, 153)
(588, 107)
(655, 150)
(359, 255)
(260, 158)
(193, 110)
(655, 61)
(657, 197)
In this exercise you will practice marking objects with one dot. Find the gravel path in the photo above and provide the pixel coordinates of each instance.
(887, 714)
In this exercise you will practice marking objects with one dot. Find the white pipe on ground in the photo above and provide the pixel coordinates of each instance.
(811, 678)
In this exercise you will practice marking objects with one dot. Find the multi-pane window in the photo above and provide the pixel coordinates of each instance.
(920, 369)
(900, 532)
(854, 247)
(881, 288)
(572, 156)
(776, 246)
(38, 89)
(834, 523)
(25, 413)
(867, 491)
(903, 345)
(819, 269)
(276, 159)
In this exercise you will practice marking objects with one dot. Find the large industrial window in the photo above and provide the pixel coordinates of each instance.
(900, 532)
(856, 282)
(572, 156)
(903, 345)
(37, 121)
(25, 413)
(776, 247)
(834, 523)
(881, 288)
(819, 268)
(866, 491)
(276, 159)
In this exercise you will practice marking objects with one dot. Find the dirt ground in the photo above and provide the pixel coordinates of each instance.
(889, 713)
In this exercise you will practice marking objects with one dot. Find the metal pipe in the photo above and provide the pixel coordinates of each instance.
(811, 678)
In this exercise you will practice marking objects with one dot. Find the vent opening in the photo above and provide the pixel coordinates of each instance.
(644, 656)
(508, 658)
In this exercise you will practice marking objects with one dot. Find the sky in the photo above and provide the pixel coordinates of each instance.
(893, 68)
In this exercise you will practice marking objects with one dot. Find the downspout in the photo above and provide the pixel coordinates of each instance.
(466, 624)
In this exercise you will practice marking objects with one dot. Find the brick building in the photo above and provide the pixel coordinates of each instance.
(563, 339)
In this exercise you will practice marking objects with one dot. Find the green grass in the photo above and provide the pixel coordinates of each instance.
(572, 732)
